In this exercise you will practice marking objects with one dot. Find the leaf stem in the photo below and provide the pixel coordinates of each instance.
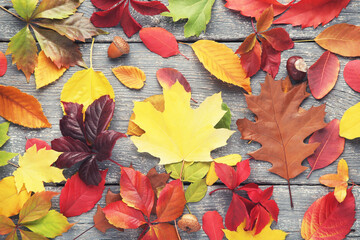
(113, 161)
(177, 231)
(15, 165)
(3, 8)
(218, 190)
(187, 206)
(253, 26)
(291, 200)
(91, 51)
(310, 173)
(184, 56)
(84, 232)
(304, 40)
(182, 169)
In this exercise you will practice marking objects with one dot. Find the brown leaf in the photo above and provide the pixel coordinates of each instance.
(112, 197)
(286, 84)
(158, 182)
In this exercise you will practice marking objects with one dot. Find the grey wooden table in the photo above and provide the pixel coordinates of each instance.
(229, 28)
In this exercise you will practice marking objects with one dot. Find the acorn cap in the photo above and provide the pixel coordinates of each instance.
(118, 47)
(189, 223)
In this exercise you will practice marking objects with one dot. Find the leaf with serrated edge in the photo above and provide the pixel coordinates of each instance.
(25, 8)
(58, 9)
(6, 225)
(196, 191)
(131, 77)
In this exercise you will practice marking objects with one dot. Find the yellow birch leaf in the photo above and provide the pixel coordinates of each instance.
(180, 133)
(222, 62)
(35, 168)
(11, 201)
(46, 71)
(350, 123)
(85, 86)
(131, 77)
(230, 160)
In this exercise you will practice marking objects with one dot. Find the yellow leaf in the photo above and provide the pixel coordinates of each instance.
(131, 77)
(35, 168)
(266, 234)
(350, 123)
(339, 180)
(158, 102)
(86, 86)
(180, 132)
(11, 201)
(230, 160)
(46, 71)
(222, 62)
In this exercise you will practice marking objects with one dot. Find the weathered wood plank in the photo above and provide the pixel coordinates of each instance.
(225, 24)
(203, 85)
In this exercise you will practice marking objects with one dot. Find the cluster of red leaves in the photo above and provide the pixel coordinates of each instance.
(266, 56)
(257, 211)
(117, 11)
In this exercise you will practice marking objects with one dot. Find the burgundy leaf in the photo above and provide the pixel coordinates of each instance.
(72, 124)
(103, 5)
(168, 76)
(149, 8)
(226, 174)
(213, 225)
(279, 39)
(109, 18)
(251, 60)
(259, 218)
(270, 58)
(128, 23)
(236, 213)
(105, 142)
(89, 172)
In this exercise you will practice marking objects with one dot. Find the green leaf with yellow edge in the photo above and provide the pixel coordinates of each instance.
(58, 9)
(11, 201)
(230, 160)
(266, 234)
(23, 48)
(192, 171)
(350, 123)
(52, 225)
(225, 121)
(180, 133)
(196, 191)
(24, 8)
(35, 168)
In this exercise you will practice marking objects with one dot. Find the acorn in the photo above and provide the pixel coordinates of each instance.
(296, 68)
(118, 47)
(189, 223)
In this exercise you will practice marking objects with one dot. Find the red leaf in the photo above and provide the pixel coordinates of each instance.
(251, 60)
(122, 216)
(168, 76)
(226, 174)
(352, 74)
(213, 225)
(265, 20)
(259, 218)
(242, 171)
(327, 219)
(76, 197)
(128, 23)
(39, 144)
(323, 74)
(3, 64)
(109, 18)
(158, 182)
(330, 148)
(279, 39)
(270, 58)
(159, 41)
(136, 190)
(247, 45)
(149, 8)
(171, 202)
(307, 13)
(236, 213)
(254, 8)
(161, 231)
(103, 5)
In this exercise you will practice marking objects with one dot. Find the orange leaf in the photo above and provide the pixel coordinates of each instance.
(161, 231)
(247, 45)
(339, 180)
(265, 20)
(131, 77)
(323, 74)
(343, 39)
(21, 108)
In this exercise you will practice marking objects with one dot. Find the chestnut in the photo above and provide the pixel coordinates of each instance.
(296, 68)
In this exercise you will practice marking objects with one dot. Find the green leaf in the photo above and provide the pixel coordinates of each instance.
(4, 127)
(61, 50)
(198, 13)
(5, 157)
(225, 122)
(25, 8)
(191, 172)
(23, 48)
(58, 9)
(76, 27)
(196, 191)
(52, 225)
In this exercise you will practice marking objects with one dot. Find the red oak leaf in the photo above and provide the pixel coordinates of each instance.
(310, 13)
(213, 225)
(38, 142)
(117, 11)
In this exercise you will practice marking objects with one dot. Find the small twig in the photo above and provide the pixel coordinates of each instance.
(177, 231)
(15, 165)
(83, 232)
(305, 40)
(194, 100)
(11, 13)
(187, 206)
(351, 181)
(91, 51)
(113, 161)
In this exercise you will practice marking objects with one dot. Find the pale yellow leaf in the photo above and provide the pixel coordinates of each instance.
(46, 71)
(230, 160)
(131, 77)
(222, 62)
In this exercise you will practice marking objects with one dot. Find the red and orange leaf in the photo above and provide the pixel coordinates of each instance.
(310, 13)
(159, 41)
(131, 77)
(270, 58)
(323, 74)
(352, 74)
(265, 20)
(213, 225)
(158, 182)
(251, 60)
(171, 202)
(331, 146)
(26, 235)
(321, 220)
(3, 64)
(21, 108)
(278, 38)
(112, 197)
(38, 142)
(168, 76)
(247, 45)
(6, 225)
(161, 231)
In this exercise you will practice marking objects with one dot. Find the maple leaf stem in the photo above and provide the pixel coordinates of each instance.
(3, 8)
(113, 161)
(291, 200)
(15, 165)
(84, 232)
(177, 231)
(91, 51)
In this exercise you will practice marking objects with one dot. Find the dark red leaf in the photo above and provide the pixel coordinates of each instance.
(159, 41)
(247, 45)
(128, 23)
(242, 171)
(352, 74)
(251, 60)
(89, 172)
(149, 8)
(236, 213)
(270, 58)
(330, 148)
(105, 142)
(109, 18)
(103, 5)
(76, 197)
(38, 142)
(278, 38)
(213, 225)
(168, 76)
(259, 218)
(226, 174)
(3, 64)
(72, 124)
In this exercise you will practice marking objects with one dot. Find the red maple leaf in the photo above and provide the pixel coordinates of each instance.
(117, 11)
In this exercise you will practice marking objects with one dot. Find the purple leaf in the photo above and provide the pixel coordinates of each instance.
(72, 124)
(98, 116)
(89, 172)
(105, 142)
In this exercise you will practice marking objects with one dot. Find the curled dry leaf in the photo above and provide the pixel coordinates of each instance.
(131, 77)
(352, 74)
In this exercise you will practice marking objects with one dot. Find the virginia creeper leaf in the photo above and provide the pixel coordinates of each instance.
(25, 8)
(270, 58)
(161, 231)
(247, 45)
(158, 182)
(349, 123)
(251, 60)
(191, 172)
(72, 124)
(26, 235)
(6, 225)
(265, 20)
(59, 9)
(352, 75)
(236, 213)
(278, 38)
(3, 64)
(213, 225)
(230, 160)
(131, 77)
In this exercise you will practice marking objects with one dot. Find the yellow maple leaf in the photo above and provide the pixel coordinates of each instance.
(266, 234)
(35, 168)
(230, 160)
(180, 133)
(339, 180)
(11, 201)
